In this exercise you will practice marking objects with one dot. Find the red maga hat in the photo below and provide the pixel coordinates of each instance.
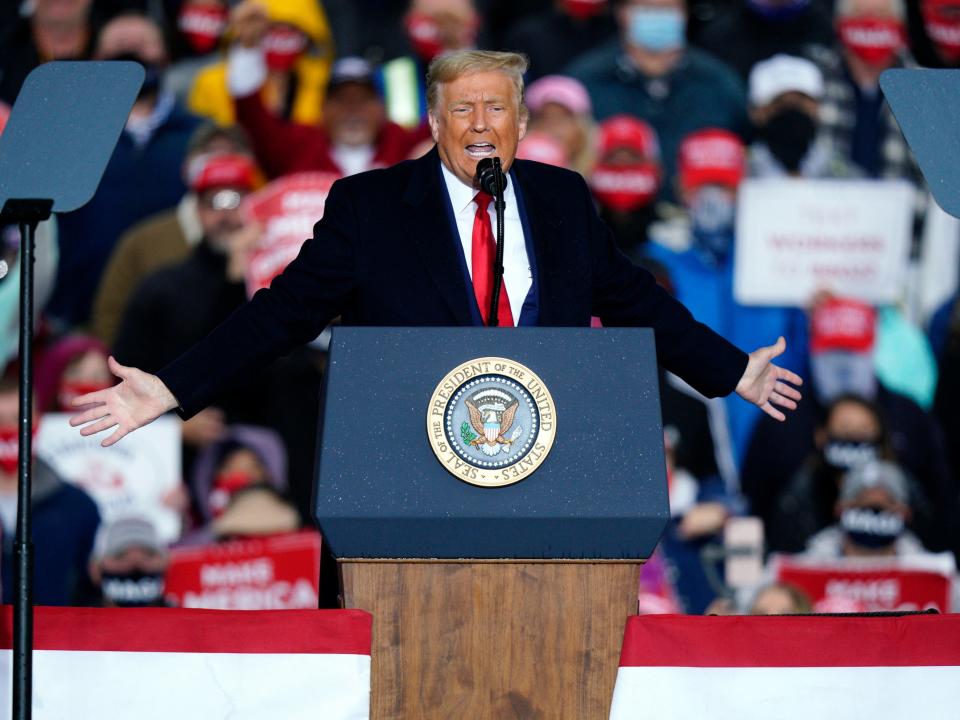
(627, 131)
(221, 170)
(843, 324)
(711, 157)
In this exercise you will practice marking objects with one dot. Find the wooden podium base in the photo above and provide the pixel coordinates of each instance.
(499, 640)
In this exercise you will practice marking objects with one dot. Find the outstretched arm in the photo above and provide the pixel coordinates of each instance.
(765, 384)
(138, 400)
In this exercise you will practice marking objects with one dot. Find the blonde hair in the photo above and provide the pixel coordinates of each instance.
(450, 66)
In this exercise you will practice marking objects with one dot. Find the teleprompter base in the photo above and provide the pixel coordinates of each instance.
(498, 640)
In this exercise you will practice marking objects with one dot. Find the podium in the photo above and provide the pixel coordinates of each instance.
(490, 495)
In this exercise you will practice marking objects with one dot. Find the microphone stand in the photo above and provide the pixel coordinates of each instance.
(499, 182)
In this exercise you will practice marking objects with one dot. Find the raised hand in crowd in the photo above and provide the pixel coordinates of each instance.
(249, 23)
(138, 400)
(765, 384)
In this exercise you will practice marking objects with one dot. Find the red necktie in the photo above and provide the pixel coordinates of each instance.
(484, 248)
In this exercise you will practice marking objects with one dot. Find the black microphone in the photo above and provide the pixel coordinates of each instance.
(491, 179)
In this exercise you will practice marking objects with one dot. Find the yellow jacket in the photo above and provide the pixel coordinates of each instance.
(210, 97)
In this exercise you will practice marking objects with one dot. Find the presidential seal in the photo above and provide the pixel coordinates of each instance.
(491, 422)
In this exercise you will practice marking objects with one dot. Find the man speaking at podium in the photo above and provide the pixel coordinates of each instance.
(413, 245)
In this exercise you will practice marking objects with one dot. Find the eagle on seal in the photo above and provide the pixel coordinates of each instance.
(491, 430)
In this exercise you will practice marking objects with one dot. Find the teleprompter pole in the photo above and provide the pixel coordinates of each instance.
(27, 213)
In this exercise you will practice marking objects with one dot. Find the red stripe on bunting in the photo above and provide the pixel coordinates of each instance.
(195, 631)
(791, 641)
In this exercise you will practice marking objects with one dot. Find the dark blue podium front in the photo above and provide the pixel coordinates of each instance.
(601, 492)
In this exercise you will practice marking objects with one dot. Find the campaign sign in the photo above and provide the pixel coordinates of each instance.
(129, 478)
(796, 237)
(874, 586)
(281, 572)
(287, 209)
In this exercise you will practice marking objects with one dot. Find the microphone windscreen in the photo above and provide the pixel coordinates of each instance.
(488, 173)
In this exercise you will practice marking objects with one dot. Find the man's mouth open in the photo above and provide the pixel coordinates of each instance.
(480, 150)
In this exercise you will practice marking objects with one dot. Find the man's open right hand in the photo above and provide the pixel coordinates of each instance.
(138, 400)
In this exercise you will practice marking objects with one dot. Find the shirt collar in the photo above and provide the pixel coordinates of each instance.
(461, 194)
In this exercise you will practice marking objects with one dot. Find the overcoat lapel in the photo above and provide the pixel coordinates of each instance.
(427, 224)
(545, 228)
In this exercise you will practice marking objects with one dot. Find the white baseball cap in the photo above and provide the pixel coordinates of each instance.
(782, 74)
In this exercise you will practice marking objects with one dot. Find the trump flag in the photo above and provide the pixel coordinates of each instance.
(160, 663)
(789, 668)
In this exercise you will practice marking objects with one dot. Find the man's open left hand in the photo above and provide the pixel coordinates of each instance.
(767, 385)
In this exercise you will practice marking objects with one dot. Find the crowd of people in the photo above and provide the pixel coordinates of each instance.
(666, 107)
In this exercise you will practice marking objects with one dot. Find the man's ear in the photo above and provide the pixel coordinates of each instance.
(434, 126)
(522, 125)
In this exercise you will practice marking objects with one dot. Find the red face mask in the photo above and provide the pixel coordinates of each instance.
(202, 25)
(225, 486)
(625, 188)
(72, 389)
(583, 9)
(9, 448)
(873, 40)
(941, 20)
(424, 34)
(283, 46)
(10, 444)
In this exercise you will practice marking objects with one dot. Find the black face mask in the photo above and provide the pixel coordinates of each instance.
(789, 135)
(871, 527)
(841, 454)
(136, 589)
(153, 74)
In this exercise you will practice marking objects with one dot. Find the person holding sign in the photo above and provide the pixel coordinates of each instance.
(397, 247)
(178, 305)
(711, 166)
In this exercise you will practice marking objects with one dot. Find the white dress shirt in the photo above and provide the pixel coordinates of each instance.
(517, 273)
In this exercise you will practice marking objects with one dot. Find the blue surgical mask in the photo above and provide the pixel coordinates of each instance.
(712, 217)
(657, 29)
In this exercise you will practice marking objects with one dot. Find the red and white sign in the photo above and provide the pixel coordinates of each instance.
(886, 586)
(287, 208)
(796, 237)
(134, 477)
(275, 573)
(159, 663)
(789, 667)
